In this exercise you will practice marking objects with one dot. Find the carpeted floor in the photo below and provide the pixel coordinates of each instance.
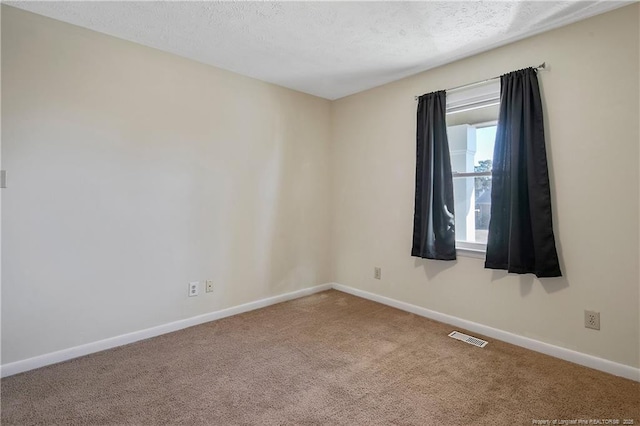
(329, 358)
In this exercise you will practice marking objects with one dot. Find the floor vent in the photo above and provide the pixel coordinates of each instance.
(468, 339)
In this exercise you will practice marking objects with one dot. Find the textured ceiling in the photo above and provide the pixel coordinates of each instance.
(328, 49)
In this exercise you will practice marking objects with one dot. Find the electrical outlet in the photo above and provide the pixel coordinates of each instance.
(377, 273)
(194, 288)
(592, 320)
(208, 285)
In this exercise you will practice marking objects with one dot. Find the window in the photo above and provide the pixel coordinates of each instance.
(471, 129)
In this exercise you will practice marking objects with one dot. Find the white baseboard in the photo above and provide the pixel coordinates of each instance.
(525, 342)
(124, 339)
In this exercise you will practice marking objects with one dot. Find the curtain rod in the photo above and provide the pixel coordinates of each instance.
(539, 67)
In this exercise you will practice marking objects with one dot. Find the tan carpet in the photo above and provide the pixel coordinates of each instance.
(330, 358)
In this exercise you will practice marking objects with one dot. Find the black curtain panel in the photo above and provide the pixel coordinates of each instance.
(433, 222)
(521, 236)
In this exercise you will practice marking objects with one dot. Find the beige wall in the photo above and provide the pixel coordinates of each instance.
(133, 172)
(591, 95)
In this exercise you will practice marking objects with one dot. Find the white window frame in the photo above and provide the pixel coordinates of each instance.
(470, 248)
(480, 96)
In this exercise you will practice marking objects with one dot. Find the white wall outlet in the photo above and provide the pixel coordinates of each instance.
(592, 320)
(194, 288)
(208, 285)
(377, 273)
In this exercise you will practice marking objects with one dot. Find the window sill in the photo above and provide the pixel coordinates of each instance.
(474, 253)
